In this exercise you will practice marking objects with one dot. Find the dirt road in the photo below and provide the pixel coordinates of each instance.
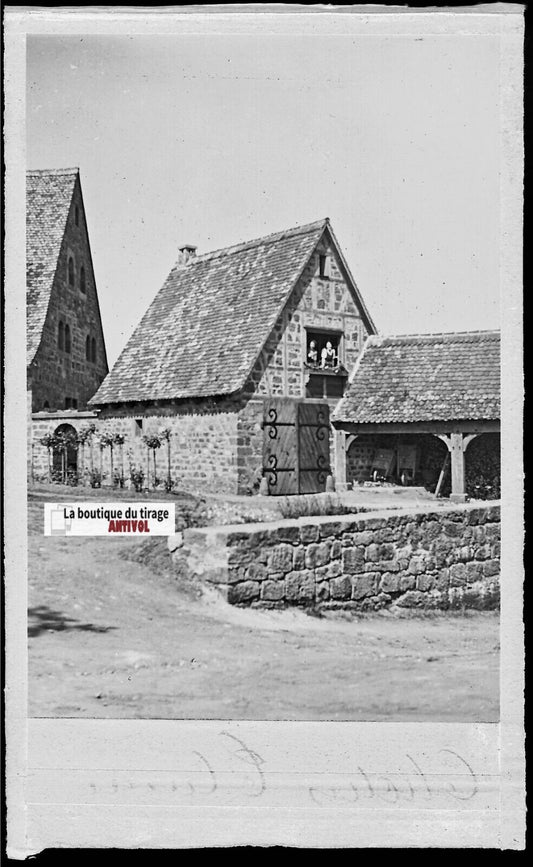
(110, 637)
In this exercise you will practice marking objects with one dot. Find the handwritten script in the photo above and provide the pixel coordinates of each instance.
(234, 769)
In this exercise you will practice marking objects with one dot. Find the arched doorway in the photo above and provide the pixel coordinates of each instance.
(65, 455)
(482, 467)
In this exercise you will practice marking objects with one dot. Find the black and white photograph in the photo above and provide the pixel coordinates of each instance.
(270, 318)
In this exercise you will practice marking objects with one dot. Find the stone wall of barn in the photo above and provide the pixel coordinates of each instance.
(203, 443)
(57, 376)
(443, 559)
(202, 453)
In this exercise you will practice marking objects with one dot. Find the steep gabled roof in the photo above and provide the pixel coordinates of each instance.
(204, 331)
(425, 377)
(48, 198)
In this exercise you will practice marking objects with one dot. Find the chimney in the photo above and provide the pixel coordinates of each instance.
(187, 252)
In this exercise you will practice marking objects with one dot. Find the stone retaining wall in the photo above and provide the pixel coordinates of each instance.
(448, 558)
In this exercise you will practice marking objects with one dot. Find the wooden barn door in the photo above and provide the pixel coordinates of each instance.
(313, 447)
(295, 446)
(280, 445)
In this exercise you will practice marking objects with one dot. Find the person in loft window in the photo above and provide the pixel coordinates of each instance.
(312, 353)
(328, 358)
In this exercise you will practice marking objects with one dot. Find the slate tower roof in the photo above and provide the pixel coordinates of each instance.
(48, 198)
(203, 332)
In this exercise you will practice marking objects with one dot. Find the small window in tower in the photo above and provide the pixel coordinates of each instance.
(77, 215)
(61, 336)
(323, 265)
(82, 280)
(70, 271)
(93, 350)
(68, 345)
(87, 348)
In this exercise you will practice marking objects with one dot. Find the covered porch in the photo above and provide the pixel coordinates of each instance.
(432, 455)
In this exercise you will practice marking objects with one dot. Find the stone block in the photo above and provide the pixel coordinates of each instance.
(353, 560)
(457, 574)
(280, 558)
(340, 588)
(241, 556)
(432, 529)
(364, 584)
(473, 570)
(256, 572)
(495, 550)
(412, 599)
(243, 592)
(331, 528)
(383, 566)
(308, 534)
(417, 565)
(463, 554)
(273, 591)
(425, 582)
(390, 582)
(482, 552)
(406, 582)
(289, 534)
(491, 567)
(371, 552)
(300, 586)
(492, 531)
(452, 528)
(317, 554)
(334, 569)
(298, 558)
(322, 591)
(362, 537)
(336, 550)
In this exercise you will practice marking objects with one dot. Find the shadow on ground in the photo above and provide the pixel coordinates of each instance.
(44, 619)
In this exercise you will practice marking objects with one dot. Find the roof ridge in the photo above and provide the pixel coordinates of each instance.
(479, 332)
(270, 238)
(70, 171)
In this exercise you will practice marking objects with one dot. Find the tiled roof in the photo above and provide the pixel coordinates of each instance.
(204, 330)
(425, 377)
(48, 198)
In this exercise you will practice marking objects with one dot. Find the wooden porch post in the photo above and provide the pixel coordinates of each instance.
(457, 446)
(340, 460)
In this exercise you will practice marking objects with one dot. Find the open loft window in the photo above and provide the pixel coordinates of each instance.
(68, 344)
(83, 287)
(71, 403)
(323, 349)
(323, 266)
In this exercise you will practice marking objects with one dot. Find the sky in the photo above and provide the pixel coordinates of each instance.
(213, 140)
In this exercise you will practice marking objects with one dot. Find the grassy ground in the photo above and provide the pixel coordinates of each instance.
(112, 636)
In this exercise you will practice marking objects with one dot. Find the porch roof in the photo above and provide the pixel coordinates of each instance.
(424, 378)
